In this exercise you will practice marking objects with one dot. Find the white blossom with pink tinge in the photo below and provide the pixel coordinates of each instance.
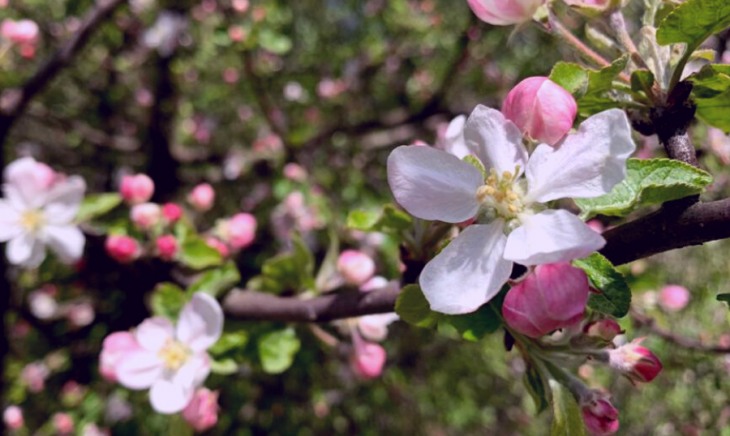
(512, 222)
(505, 12)
(172, 362)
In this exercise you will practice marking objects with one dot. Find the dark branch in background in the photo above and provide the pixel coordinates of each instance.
(18, 99)
(649, 323)
(672, 121)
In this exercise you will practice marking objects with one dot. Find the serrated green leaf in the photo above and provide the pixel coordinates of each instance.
(648, 181)
(223, 367)
(413, 308)
(601, 80)
(572, 77)
(197, 254)
(229, 342)
(536, 387)
(693, 22)
(614, 297)
(277, 350)
(475, 326)
(287, 271)
(711, 93)
(96, 205)
(568, 419)
(389, 220)
(216, 281)
(168, 300)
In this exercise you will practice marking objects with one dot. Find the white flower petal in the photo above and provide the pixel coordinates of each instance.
(201, 322)
(586, 164)
(9, 227)
(432, 184)
(551, 236)
(64, 200)
(25, 250)
(139, 369)
(468, 272)
(168, 396)
(375, 327)
(153, 333)
(496, 141)
(66, 241)
(27, 188)
(454, 141)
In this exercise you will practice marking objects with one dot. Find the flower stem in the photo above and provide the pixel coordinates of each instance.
(618, 24)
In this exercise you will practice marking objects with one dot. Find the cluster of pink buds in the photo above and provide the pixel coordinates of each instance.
(23, 33)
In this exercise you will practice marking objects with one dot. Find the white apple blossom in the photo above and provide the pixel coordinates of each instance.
(38, 212)
(512, 223)
(172, 360)
(453, 140)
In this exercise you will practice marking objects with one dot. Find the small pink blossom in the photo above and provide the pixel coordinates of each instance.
(240, 6)
(218, 245)
(80, 314)
(63, 423)
(295, 172)
(637, 363)
(145, 216)
(34, 376)
(505, 12)
(542, 109)
(605, 329)
(673, 298)
(137, 189)
(167, 247)
(356, 267)
(239, 231)
(171, 212)
(115, 347)
(599, 415)
(202, 411)
(13, 417)
(367, 359)
(230, 75)
(22, 32)
(123, 249)
(202, 197)
(237, 33)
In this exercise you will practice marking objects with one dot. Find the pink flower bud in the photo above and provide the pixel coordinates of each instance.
(505, 12)
(239, 231)
(202, 411)
(63, 423)
(356, 267)
(599, 415)
(218, 245)
(123, 249)
(34, 376)
(635, 362)
(167, 247)
(115, 347)
(202, 197)
(146, 215)
(605, 329)
(80, 314)
(596, 225)
(13, 417)
(554, 296)
(137, 189)
(295, 172)
(24, 32)
(542, 109)
(673, 298)
(171, 212)
(368, 359)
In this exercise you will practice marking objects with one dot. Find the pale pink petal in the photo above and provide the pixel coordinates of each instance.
(66, 241)
(64, 200)
(139, 369)
(153, 333)
(201, 322)
(25, 250)
(495, 140)
(9, 227)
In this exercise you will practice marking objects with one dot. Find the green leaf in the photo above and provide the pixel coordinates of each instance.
(229, 342)
(711, 93)
(223, 367)
(693, 22)
(572, 77)
(648, 181)
(413, 308)
(288, 271)
(615, 296)
(329, 265)
(568, 417)
(724, 297)
(475, 326)
(277, 350)
(389, 220)
(602, 80)
(216, 281)
(168, 300)
(642, 81)
(197, 254)
(96, 205)
(275, 42)
(536, 385)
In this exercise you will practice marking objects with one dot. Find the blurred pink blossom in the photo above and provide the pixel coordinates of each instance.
(218, 245)
(673, 298)
(13, 417)
(63, 423)
(34, 376)
(22, 32)
(137, 189)
(295, 172)
(202, 411)
(171, 212)
(123, 249)
(145, 216)
(115, 347)
(367, 359)
(167, 247)
(202, 197)
(356, 267)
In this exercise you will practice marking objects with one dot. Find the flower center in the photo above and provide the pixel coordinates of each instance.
(32, 220)
(502, 196)
(173, 354)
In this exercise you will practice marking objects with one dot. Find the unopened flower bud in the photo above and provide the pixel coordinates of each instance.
(673, 298)
(202, 411)
(202, 197)
(63, 423)
(171, 212)
(13, 417)
(23, 32)
(34, 376)
(295, 172)
(635, 362)
(239, 231)
(115, 347)
(505, 12)
(541, 108)
(167, 247)
(368, 359)
(123, 249)
(218, 245)
(137, 189)
(356, 267)
(604, 329)
(599, 415)
(554, 296)
(145, 216)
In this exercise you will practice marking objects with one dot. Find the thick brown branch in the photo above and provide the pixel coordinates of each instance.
(19, 98)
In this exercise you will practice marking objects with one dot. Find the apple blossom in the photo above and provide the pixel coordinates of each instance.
(34, 376)
(202, 411)
(123, 249)
(167, 247)
(171, 212)
(541, 108)
(137, 189)
(554, 296)
(163, 35)
(172, 360)
(13, 417)
(512, 223)
(599, 415)
(604, 329)
(63, 423)
(22, 32)
(79, 314)
(145, 216)
(367, 359)
(295, 172)
(635, 362)
(505, 12)
(356, 267)
(238, 231)
(114, 348)
(673, 298)
(452, 139)
(202, 197)
(35, 214)
(42, 304)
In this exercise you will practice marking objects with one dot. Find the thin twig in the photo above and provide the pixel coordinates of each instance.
(649, 323)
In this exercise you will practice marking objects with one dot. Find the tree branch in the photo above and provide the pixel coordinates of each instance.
(645, 321)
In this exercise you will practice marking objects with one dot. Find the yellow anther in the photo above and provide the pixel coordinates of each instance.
(507, 175)
(512, 196)
(32, 220)
(512, 208)
(173, 355)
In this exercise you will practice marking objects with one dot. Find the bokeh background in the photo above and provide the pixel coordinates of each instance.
(245, 87)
